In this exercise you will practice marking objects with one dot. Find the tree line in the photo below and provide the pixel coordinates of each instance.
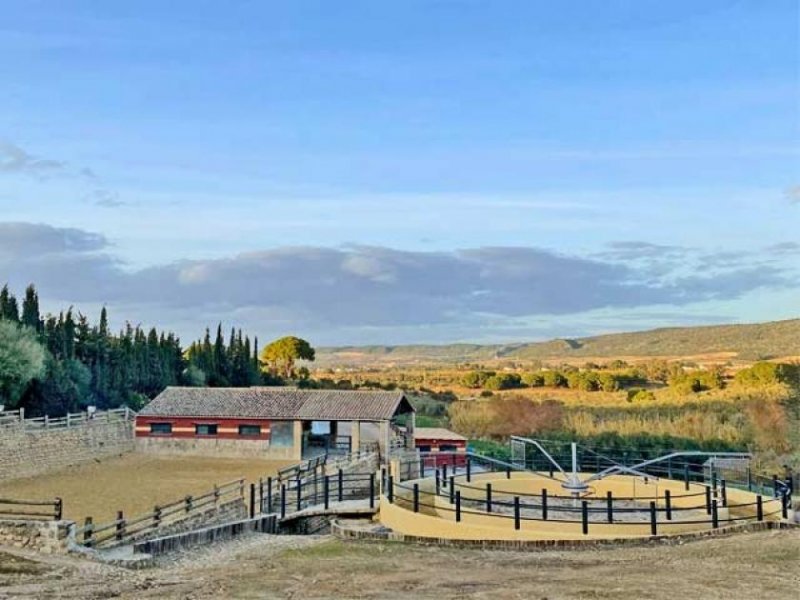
(54, 364)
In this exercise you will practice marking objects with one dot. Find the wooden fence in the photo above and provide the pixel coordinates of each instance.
(31, 509)
(124, 529)
(16, 418)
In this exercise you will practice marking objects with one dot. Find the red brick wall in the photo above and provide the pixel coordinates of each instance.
(184, 427)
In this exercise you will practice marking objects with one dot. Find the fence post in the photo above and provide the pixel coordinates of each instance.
(326, 491)
(669, 468)
(469, 470)
(714, 515)
(444, 473)
(749, 480)
(724, 492)
(458, 506)
(438, 484)
(120, 528)
(88, 530)
(759, 508)
(390, 489)
(252, 500)
(508, 472)
(544, 504)
(610, 506)
(372, 490)
(708, 499)
(269, 494)
(188, 504)
(46, 421)
(452, 489)
(416, 497)
(68, 420)
(283, 501)
(785, 505)
(774, 486)
(340, 475)
(260, 495)
(516, 512)
(455, 465)
(686, 476)
(59, 509)
(156, 516)
(422, 467)
(668, 504)
(585, 517)
(488, 497)
(653, 519)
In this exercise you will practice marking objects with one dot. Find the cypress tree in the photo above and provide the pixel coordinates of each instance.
(30, 309)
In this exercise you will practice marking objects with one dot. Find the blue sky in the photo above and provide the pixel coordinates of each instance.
(355, 139)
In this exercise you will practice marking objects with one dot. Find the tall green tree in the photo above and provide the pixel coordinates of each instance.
(281, 355)
(22, 359)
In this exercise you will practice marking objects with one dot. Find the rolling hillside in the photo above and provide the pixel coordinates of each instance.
(740, 342)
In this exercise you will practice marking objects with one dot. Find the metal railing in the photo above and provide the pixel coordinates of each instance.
(453, 474)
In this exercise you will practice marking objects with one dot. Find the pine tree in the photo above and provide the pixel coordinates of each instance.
(30, 309)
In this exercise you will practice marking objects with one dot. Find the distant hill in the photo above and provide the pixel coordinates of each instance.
(736, 342)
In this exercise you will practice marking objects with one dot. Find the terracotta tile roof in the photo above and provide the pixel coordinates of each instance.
(277, 403)
(437, 433)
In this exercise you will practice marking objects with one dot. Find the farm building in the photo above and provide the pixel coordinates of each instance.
(272, 422)
(438, 439)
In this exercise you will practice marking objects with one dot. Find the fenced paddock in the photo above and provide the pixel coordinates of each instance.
(134, 483)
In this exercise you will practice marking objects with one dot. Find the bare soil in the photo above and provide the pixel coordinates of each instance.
(754, 565)
(134, 483)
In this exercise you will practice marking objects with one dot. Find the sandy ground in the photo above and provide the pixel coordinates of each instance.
(758, 565)
(134, 483)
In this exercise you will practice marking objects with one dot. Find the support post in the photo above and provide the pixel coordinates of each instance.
(653, 519)
(326, 491)
(252, 500)
(585, 517)
(469, 470)
(452, 489)
(458, 506)
(708, 499)
(610, 506)
(723, 492)
(340, 475)
(299, 486)
(416, 497)
(390, 489)
(372, 490)
(714, 515)
(283, 501)
(759, 508)
(516, 513)
(269, 494)
(668, 504)
(488, 497)
(544, 504)
(120, 528)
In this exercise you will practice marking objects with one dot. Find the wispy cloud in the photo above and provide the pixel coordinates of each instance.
(15, 160)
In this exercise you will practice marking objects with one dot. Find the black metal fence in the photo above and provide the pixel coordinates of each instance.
(453, 481)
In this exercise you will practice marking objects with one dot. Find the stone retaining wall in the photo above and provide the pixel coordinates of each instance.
(344, 532)
(48, 537)
(26, 453)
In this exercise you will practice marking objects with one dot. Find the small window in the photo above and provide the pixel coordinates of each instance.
(448, 448)
(250, 430)
(160, 428)
(424, 448)
(205, 429)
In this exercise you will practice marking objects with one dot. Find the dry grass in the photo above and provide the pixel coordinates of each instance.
(134, 482)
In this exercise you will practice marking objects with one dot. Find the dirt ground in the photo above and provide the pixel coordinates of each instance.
(758, 565)
(134, 483)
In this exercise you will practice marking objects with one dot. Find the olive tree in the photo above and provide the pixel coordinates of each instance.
(22, 359)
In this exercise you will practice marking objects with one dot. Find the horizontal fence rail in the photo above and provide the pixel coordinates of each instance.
(17, 509)
(124, 530)
(17, 419)
(453, 473)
